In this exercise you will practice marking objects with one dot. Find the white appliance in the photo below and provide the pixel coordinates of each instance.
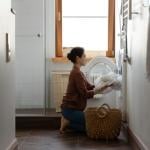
(100, 66)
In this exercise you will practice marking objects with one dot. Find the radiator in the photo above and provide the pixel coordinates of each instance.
(59, 87)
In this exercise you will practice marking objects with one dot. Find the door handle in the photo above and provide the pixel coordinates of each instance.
(39, 35)
(13, 11)
(8, 51)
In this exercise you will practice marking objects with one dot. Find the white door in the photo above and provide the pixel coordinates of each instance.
(30, 53)
(7, 76)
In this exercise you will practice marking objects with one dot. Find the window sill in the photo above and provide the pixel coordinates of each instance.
(60, 60)
(89, 55)
(64, 60)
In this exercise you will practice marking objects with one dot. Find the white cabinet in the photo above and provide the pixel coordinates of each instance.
(29, 17)
(30, 53)
(30, 72)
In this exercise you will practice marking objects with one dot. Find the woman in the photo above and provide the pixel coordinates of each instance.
(78, 91)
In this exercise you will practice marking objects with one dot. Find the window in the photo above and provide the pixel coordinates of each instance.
(86, 23)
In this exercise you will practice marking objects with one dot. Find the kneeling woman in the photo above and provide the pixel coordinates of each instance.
(78, 91)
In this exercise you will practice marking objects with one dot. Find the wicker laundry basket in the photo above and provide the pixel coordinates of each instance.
(103, 122)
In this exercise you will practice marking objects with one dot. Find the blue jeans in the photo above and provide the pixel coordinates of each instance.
(76, 118)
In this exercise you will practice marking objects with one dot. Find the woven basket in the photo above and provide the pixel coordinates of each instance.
(103, 122)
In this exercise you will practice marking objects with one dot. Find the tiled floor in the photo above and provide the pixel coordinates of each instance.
(52, 140)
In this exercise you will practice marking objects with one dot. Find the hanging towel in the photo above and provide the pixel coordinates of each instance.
(148, 49)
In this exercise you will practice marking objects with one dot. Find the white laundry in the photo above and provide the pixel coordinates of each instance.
(109, 79)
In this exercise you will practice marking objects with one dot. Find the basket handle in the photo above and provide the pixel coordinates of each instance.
(106, 106)
(103, 110)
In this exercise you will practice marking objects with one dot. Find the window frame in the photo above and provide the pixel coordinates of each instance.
(58, 29)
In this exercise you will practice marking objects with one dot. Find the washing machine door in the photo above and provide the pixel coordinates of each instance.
(97, 67)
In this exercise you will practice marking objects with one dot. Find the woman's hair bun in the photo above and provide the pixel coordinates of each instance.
(76, 51)
(69, 56)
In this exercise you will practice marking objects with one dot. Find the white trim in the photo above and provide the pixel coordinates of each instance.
(13, 145)
(135, 140)
(138, 141)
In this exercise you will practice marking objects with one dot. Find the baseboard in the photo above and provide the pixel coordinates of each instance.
(134, 140)
(13, 145)
(38, 122)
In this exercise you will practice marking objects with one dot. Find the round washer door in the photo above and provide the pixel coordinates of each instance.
(97, 67)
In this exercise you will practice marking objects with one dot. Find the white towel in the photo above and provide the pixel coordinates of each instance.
(108, 79)
(148, 49)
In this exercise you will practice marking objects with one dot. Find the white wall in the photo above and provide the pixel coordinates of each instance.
(138, 87)
(50, 50)
(7, 82)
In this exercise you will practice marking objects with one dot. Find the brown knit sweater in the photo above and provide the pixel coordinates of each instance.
(78, 91)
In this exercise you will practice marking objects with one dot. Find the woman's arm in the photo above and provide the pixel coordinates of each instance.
(83, 90)
(90, 86)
